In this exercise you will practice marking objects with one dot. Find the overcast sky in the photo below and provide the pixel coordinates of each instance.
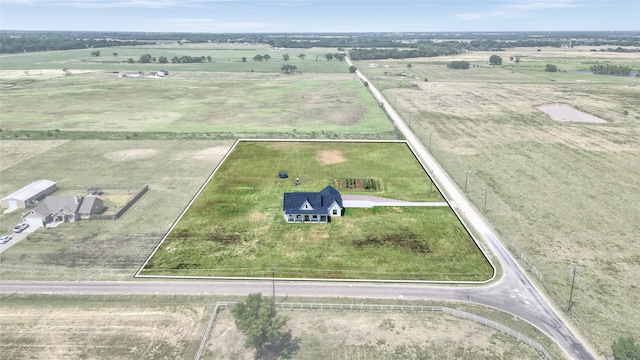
(241, 16)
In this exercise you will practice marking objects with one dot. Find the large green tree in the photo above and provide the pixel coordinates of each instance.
(146, 58)
(495, 60)
(258, 319)
(625, 349)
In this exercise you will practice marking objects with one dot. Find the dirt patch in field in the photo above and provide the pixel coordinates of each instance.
(132, 154)
(330, 157)
(211, 153)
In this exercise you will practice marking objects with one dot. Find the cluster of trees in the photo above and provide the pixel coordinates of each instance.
(610, 69)
(259, 321)
(458, 65)
(550, 68)
(287, 68)
(185, 59)
(375, 53)
(264, 57)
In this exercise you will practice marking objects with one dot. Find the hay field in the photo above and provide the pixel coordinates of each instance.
(381, 336)
(174, 171)
(118, 327)
(192, 102)
(561, 195)
(159, 327)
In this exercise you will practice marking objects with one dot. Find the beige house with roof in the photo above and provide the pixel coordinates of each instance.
(64, 209)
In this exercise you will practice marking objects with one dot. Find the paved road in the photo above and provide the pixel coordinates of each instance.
(513, 292)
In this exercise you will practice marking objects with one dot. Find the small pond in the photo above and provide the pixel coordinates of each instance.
(559, 112)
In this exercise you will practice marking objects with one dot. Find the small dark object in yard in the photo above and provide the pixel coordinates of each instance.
(297, 182)
(283, 175)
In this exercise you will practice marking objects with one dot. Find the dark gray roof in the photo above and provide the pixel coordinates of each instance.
(319, 201)
(53, 204)
(87, 204)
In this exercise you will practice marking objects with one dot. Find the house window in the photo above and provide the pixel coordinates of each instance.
(334, 212)
(315, 217)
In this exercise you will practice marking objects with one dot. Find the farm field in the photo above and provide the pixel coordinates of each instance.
(173, 170)
(235, 227)
(561, 195)
(125, 327)
(222, 98)
(386, 336)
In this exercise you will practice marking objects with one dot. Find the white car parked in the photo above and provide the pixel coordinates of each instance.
(20, 227)
(5, 239)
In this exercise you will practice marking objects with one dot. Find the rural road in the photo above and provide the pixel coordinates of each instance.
(513, 292)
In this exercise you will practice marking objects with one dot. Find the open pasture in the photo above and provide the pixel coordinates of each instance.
(561, 195)
(185, 102)
(116, 327)
(158, 326)
(235, 227)
(224, 58)
(104, 249)
(380, 336)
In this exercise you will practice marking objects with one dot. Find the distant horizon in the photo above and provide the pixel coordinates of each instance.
(314, 16)
(483, 32)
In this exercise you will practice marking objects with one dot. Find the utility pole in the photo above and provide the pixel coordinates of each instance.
(466, 179)
(573, 281)
(273, 281)
(484, 209)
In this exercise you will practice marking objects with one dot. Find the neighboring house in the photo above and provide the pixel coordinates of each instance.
(312, 206)
(64, 209)
(29, 195)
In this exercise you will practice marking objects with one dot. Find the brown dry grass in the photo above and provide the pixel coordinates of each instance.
(363, 335)
(562, 195)
(98, 329)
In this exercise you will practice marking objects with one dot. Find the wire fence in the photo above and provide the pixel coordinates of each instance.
(384, 308)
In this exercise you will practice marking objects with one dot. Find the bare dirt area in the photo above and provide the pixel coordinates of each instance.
(211, 153)
(100, 329)
(559, 112)
(331, 157)
(132, 154)
(365, 335)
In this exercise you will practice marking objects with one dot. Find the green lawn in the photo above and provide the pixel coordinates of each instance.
(235, 227)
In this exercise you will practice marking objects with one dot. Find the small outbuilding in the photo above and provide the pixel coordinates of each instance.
(29, 195)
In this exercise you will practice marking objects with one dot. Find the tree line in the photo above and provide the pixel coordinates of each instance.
(610, 69)
(432, 43)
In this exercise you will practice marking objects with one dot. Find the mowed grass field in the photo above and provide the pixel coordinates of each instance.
(173, 170)
(225, 95)
(562, 195)
(235, 227)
